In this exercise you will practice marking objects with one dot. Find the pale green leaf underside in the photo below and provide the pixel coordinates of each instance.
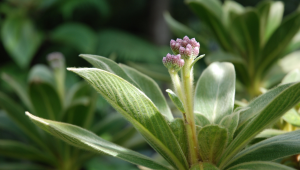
(139, 80)
(259, 165)
(87, 140)
(137, 108)
(212, 142)
(215, 90)
(268, 115)
(270, 149)
(175, 99)
(292, 117)
(151, 89)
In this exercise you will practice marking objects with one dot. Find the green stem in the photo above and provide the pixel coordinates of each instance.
(188, 101)
(176, 83)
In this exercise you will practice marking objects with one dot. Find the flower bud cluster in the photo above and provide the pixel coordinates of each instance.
(187, 48)
(173, 62)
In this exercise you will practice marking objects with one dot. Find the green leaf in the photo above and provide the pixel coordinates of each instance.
(137, 108)
(268, 133)
(20, 39)
(271, 14)
(270, 149)
(279, 40)
(230, 122)
(175, 99)
(108, 65)
(18, 88)
(44, 97)
(215, 89)
(212, 142)
(292, 117)
(292, 76)
(178, 128)
(222, 56)
(87, 140)
(15, 112)
(246, 35)
(78, 36)
(269, 113)
(7, 125)
(283, 66)
(204, 166)
(294, 44)
(19, 150)
(22, 166)
(201, 120)
(259, 165)
(211, 12)
(151, 89)
(231, 9)
(181, 30)
(258, 104)
(127, 47)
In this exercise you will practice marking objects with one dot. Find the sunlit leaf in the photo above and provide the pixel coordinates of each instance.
(87, 140)
(139, 110)
(215, 90)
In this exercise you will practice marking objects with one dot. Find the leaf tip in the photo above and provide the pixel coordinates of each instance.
(35, 118)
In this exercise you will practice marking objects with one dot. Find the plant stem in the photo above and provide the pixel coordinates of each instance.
(188, 101)
(176, 83)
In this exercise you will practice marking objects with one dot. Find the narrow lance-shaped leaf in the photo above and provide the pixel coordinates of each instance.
(270, 149)
(137, 108)
(268, 115)
(212, 142)
(87, 140)
(178, 128)
(260, 165)
(214, 94)
(175, 99)
(141, 81)
(150, 88)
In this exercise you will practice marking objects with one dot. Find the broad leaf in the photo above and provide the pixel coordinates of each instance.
(178, 128)
(87, 140)
(258, 104)
(175, 99)
(151, 89)
(107, 65)
(291, 77)
(230, 122)
(279, 41)
(215, 89)
(246, 35)
(201, 120)
(78, 36)
(292, 117)
(43, 95)
(20, 39)
(270, 149)
(266, 116)
(211, 13)
(212, 142)
(231, 9)
(260, 165)
(270, 18)
(137, 108)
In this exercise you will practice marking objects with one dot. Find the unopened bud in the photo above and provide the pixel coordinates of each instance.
(187, 48)
(173, 62)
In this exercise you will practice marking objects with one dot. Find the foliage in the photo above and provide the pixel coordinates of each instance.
(46, 96)
(211, 135)
(258, 41)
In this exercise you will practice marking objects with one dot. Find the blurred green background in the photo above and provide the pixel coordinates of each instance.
(133, 32)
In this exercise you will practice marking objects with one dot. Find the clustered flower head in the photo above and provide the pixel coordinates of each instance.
(173, 62)
(187, 48)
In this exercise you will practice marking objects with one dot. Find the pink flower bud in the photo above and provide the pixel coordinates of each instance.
(196, 51)
(187, 48)
(173, 62)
